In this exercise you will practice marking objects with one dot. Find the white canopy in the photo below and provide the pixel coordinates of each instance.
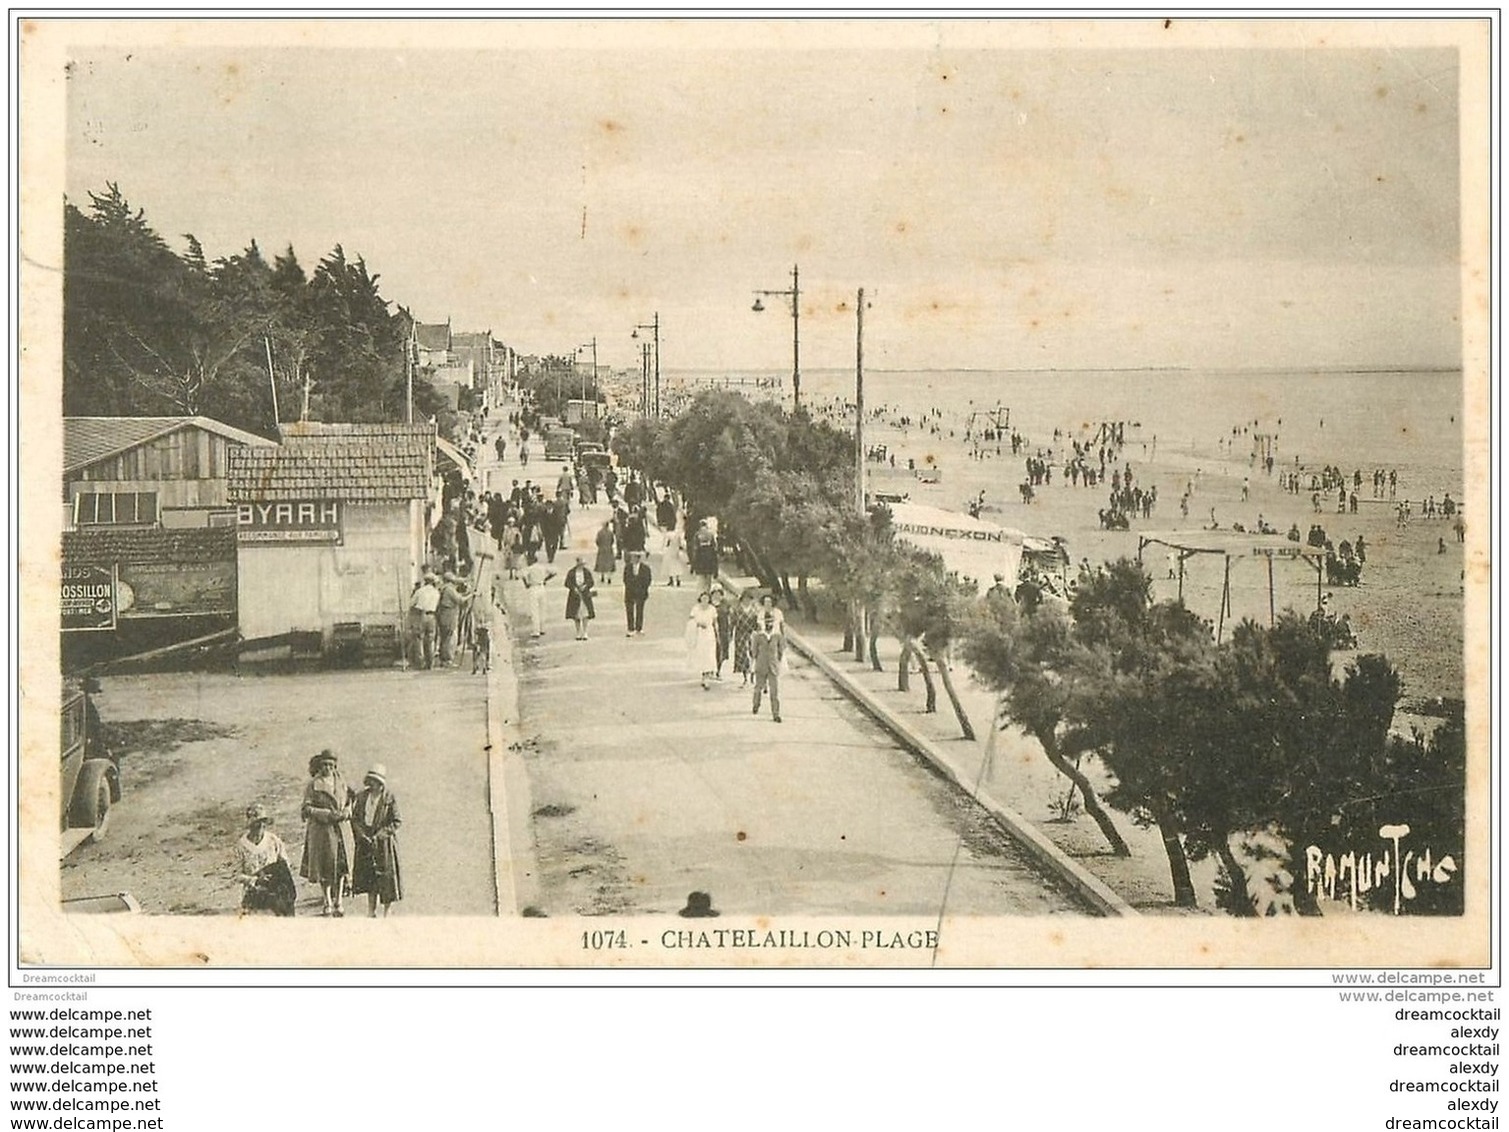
(972, 547)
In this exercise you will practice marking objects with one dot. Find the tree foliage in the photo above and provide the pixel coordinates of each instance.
(147, 331)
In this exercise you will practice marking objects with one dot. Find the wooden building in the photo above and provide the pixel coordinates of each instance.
(331, 528)
(148, 471)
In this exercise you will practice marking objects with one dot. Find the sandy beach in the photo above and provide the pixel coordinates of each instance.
(1409, 603)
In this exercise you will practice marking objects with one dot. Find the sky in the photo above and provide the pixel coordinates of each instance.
(1003, 208)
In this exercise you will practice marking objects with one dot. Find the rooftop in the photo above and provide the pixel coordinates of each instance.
(433, 335)
(87, 440)
(357, 462)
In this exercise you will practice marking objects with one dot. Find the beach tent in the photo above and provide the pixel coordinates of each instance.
(1233, 544)
(971, 547)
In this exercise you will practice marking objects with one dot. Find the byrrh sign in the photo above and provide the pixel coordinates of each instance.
(296, 521)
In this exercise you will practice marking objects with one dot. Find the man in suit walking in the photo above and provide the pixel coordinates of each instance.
(767, 648)
(636, 589)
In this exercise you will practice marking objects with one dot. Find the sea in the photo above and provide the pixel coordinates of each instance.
(1409, 420)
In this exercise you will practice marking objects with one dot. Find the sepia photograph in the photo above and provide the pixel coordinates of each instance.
(754, 493)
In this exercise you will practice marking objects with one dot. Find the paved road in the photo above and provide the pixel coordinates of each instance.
(645, 787)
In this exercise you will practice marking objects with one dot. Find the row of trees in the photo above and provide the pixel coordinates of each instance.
(1250, 750)
(149, 331)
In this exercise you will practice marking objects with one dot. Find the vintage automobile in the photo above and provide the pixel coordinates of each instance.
(560, 444)
(589, 455)
(91, 781)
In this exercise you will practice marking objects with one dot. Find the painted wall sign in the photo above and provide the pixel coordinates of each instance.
(177, 589)
(88, 599)
(296, 521)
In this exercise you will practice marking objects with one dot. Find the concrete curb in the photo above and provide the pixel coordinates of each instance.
(507, 777)
(502, 695)
(1091, 888)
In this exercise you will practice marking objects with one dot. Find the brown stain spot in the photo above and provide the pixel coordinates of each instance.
(741, 836)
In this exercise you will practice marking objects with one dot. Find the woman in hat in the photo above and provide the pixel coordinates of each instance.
(580, 589)
(702, 639)
(262, 866)
(375, 822)
(327, 831)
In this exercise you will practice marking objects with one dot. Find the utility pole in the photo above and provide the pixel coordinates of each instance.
(795, 295)
(859, 403)
(649, 403)
(272, 379)
(408, 372)
(796, 339)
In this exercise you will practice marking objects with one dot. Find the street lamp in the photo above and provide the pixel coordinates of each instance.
(795, 295)
(593, 345)
(651, 406)
(859, 402)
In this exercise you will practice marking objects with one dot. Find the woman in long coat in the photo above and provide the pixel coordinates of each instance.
(579, 591)
(375, 822)
(328, 850)
(606, 559)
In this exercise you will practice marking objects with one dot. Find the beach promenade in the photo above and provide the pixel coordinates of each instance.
(633, 786)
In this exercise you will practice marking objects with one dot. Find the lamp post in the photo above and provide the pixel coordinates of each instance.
(651, 403)
(859, 402)
(795, 295)
(593, 346)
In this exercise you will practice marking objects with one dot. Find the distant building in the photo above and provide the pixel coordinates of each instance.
(432, 343)
(332, 528)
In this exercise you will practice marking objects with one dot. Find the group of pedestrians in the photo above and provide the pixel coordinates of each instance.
(752, 635)
(350, 846)
(444, 617)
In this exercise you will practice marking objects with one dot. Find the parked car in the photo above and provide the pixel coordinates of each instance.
(590, 455)
(560, 444)
(91, 780)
